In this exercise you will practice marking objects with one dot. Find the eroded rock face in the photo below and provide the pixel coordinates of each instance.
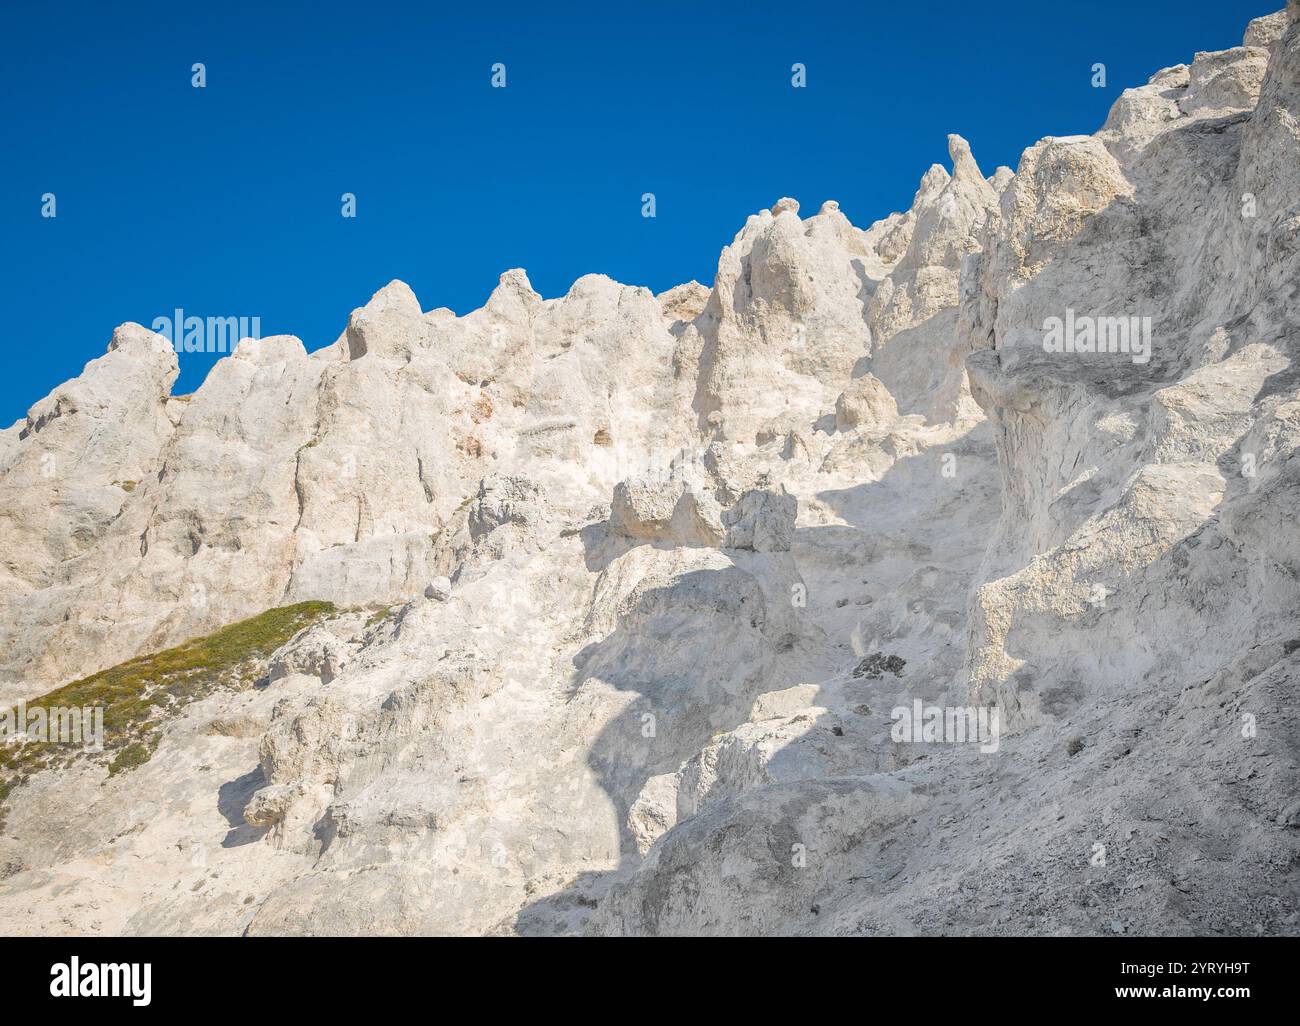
(66, 477)
(762, 521)
(865, 401)
(317, 652)
(638, 584)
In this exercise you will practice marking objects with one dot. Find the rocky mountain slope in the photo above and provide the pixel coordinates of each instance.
(626, 589)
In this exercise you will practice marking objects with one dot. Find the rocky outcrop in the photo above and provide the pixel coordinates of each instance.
(865, 401)
(637, 593)
(762, 520)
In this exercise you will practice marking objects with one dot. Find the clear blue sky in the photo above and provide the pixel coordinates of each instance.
(225, 200)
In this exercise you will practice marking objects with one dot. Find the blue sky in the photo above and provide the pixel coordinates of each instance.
(225, 201)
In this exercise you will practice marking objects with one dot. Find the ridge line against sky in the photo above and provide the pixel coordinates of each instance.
(225, 201)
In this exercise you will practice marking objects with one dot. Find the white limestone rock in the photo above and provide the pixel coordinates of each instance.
(762, 521)
(865, 401)
(439, 589)
(677, 525)
(644, 512)
(317, 651)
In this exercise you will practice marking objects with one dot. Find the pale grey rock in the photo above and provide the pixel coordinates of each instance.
(643, 510)
(654, 812)
(269, 805)
(1264, 32)
(1226, 81)
(682, 304)
(678, 527)
(504, 501)
(438, 589)
(674, 511)
(786, 316)
(758, 863)
(762, 521)
(317, 651)
(1001, 178)
(865, 401)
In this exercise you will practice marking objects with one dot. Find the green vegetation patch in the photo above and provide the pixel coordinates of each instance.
(135, 695)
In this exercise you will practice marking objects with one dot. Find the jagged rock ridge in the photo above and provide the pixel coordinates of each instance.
(633, 549)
